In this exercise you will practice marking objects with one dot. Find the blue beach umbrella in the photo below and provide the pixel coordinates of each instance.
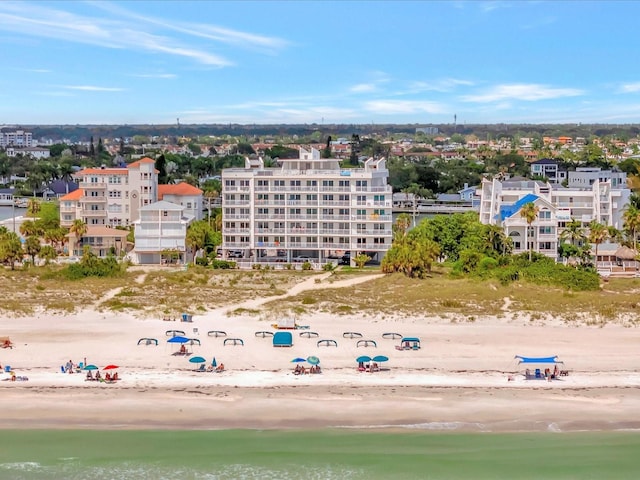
(214, 363)
(90, 367)
(363, 359)
(298, 360)
(197, 360)
(312, 360)
(380, 358)
(178, 339)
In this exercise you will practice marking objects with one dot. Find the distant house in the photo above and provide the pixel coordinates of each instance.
(550, 169)
(186, 195)
(33, 152)
(162, 227)
(101, 239)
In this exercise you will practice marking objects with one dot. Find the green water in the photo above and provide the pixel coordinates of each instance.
(326, 454)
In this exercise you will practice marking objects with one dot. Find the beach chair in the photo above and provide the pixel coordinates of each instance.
(201, 368)
(538, 373)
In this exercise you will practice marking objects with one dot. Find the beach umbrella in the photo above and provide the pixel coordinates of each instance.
(197, 360)
(298, 360)
(214, 363)
(110, 367)
(380, 358)
(312, 360)
(178, 339)
(363, 359)
(91, 367)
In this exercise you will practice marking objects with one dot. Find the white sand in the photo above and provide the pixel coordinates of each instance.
(458, 379)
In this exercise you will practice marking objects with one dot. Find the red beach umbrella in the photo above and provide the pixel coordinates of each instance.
(110, 367)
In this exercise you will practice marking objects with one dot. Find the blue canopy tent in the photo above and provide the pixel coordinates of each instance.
(283, 339)
(553, 359)
(538, 374)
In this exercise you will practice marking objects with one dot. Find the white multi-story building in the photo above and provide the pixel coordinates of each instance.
(17, 138)
(501, 202)
(309, 208)
(584, 177)
(183, 194)
(162, 227)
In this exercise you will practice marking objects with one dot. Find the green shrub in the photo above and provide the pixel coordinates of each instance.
(329, 267)
(202, 261)
(306, 266)
(223, 264)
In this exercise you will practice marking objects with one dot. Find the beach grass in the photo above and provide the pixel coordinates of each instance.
(170, 292)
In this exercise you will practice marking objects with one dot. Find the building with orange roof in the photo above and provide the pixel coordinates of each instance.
(183, 194)
(111, 196)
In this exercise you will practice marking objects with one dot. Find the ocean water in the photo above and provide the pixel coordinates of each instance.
(325, 454)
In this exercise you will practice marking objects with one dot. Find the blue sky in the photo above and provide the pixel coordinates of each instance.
(319, 62)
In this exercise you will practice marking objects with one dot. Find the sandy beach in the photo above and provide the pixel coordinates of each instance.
(464, 376)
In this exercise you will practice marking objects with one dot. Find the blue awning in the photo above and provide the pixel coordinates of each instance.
(553, 359)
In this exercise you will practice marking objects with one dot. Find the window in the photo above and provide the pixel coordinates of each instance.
(361, 200)
(545, 230)
(312, 198)
(278, 183)
(343, 198)
(165, 213)
(344, 183)
(327, 183)
(327, 211)
(263, 211)
(294, 211)
(312, 183)
(189, 204)
(294, 183)
(544, 215)
(343, 211)
(312, 211)
(327, 198)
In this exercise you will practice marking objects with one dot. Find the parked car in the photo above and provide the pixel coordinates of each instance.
(302, 259)
(346, 259)
(235, 254)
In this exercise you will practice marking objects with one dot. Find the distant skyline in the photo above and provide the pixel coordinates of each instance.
(265, 62)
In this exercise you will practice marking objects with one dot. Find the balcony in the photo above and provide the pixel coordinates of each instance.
(374, 233)
(88, 186)
(90, 199)
(93, 213)
(241, 231)
(226, 203)
(374, 246)
(372, 218)
(264, 230)
(237, 216)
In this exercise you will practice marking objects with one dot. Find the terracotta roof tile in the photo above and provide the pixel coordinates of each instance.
(181, 188)
(75, 195)
(142, 160)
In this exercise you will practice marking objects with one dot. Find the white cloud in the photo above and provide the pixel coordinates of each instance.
(391, 107)
(153, 75)
(630, 87)
(442, 85)
(210, 32)
(364, 88)
(527, 92)
(93, 88)
(113, 33)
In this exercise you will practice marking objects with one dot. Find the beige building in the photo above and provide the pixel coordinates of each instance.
(103, 241)
(111, 196)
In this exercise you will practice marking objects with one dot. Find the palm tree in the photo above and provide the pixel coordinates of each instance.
(33, 207)
(632, 222)
(574, 233)
(79, 229)
(529, 212)
(598, 233)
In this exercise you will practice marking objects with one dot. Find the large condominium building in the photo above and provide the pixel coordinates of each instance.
(17, 138)
(501, 203)
(111, 196)
(307, 208)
